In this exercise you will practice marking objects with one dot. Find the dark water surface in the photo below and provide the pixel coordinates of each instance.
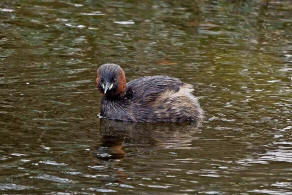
(237, 54)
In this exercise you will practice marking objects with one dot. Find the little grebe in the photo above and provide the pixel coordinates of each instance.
(147, 99)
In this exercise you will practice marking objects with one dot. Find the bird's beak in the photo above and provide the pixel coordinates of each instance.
(107, 87)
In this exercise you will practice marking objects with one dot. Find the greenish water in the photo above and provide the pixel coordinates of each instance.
(237, 54)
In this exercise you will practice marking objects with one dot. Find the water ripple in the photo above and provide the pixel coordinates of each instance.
(52, 178)
(10, 186)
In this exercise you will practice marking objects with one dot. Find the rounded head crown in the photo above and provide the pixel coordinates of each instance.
(111, 80)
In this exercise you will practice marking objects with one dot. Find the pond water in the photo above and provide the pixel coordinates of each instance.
(237, 54)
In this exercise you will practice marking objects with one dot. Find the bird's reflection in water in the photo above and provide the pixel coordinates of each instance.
(120, 138)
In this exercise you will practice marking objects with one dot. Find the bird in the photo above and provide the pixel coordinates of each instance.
(157, 98)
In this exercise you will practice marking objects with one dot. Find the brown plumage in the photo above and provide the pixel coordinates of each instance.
(146, 99)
